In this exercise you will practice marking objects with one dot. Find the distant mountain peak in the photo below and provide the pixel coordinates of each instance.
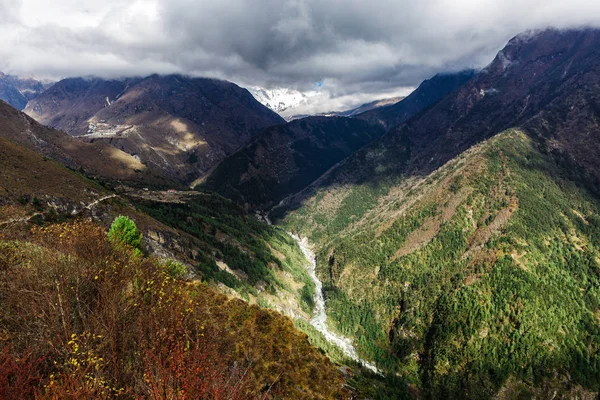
(17, 91)
(281, 99)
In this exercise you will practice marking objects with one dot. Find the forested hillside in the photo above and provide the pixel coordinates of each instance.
(479, 279)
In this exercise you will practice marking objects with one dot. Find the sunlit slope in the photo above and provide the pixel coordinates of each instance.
(481, 278)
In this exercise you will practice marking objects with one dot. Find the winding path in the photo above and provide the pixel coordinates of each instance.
(319, 320)
(29, 218)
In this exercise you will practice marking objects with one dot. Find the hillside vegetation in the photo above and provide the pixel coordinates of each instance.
(224, 247)
(220, 242)
(242, 255)
(84, 317)
(478, 280)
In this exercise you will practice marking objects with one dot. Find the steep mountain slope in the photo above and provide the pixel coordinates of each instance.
(228, 249)
(85, 317)
(96, 159)
(547, 82)
(478, 280)
(18, 91)
(473, 271)
(283, 160)
(179, 125)
(217, 239)
(429, 92)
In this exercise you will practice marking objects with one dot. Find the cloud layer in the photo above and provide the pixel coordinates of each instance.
(352, 46)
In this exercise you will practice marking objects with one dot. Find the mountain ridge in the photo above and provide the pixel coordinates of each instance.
(18, 91)
(450, 247)
(179, 125)
(284, 159)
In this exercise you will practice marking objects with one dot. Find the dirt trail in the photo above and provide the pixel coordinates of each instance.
(30, 217)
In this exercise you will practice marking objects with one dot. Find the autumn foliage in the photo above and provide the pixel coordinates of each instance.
(82, 318)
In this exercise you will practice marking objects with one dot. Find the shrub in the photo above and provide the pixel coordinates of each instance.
(123, 230)
(81, 317)
(175, 269)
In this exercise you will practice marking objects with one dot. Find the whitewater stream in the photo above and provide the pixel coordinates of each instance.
(319, 320)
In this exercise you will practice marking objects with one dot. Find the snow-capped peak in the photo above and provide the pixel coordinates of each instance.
(281, 99)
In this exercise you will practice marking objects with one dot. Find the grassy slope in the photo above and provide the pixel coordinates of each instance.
(81, 317)
(269, 263)
(207, 229)
(481, 278)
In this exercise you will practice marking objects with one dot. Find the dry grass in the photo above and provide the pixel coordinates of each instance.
(81, 318)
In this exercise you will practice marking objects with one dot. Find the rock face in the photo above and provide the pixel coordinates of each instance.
(285, 159)
(179, 125)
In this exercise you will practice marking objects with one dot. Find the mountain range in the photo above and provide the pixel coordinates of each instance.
(455, 233)
(285, 160)
(464, 240)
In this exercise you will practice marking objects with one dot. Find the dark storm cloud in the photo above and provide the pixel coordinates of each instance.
(378, 42)
(352, 46)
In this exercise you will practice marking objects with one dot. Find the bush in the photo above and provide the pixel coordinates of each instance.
(71, 330)
(175, 269)
(123, 230)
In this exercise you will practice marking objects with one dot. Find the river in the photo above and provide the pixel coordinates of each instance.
(319, 319)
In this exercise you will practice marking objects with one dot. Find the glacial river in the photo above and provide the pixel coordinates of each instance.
(319, 320)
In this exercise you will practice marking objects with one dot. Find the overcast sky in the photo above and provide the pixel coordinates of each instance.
(355, 49)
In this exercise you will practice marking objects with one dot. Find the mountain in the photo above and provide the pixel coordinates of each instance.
(18, 91)
(429, 92)
(460, 250)
(542, 81)
(197, 228)
(95, 159)
(477, 280)
(54, 245)
(285, 159)
(281, 100)
(111, 309)
(369, 106)
(352, 112)
(178, 125)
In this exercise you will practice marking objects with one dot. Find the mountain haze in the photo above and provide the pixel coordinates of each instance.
(18, 91)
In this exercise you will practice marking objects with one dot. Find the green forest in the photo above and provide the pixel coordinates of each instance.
(485, 277)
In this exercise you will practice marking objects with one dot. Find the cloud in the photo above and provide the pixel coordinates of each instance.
(353, 46)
